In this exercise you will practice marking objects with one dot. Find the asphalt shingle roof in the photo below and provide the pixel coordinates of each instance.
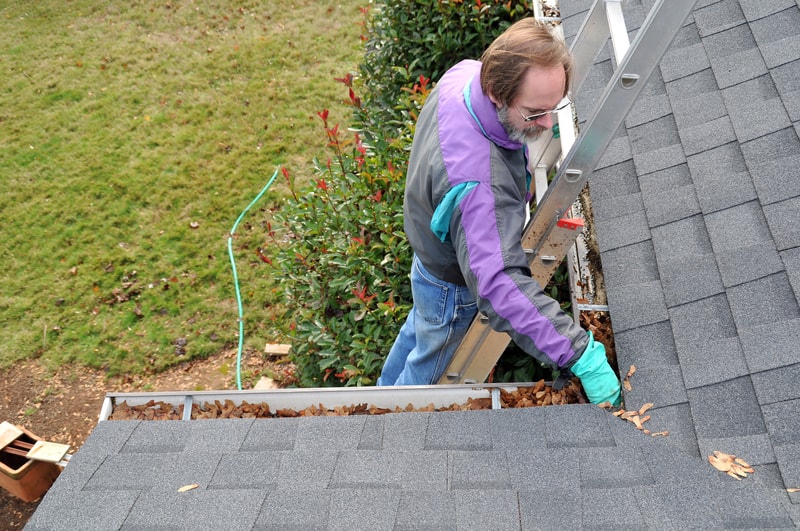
(697, 209)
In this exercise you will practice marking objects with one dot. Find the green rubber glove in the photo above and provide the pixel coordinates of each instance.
(599, 381)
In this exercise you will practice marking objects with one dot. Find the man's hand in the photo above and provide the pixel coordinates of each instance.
(599, 381)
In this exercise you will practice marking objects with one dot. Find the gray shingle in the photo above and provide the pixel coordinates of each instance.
(686, 56)
(294, 510)
(348, 510)
(459, 432)
(624, 230)
(611, 509)
(207, 436)
(610, 208)
(677, 420)
(577, 426)
(613, 468)
(271, 434)
(426, 510)
(715, 315)
(666, 179)
(152, 437)
(670, 205)
(778, 36)
(771, 159)
(778, 384)
(478, 470)
(550, 508)
(721, 178)
(109, 437)
(329, 433)
(771, 345)
(233, 509)
(487, 509)
(305, 469)
(755, 108)
(634, 264)
(766, 300)
(791, 258)
(696, 99)
(782, 421)
(656, 145)
(638, 305)
(754, 449)
(372, 435)
(738, 266)
(718, 17)
(734, 56)
(740, 509)
(650, 346)
(727, 409)
(662, 386)
(683, 506)
(512, 428)
(740, 226)
(405, 431)
(787, 83)
(783, 223)
(689, 280)
(788, 456)
(247, 470)
(756, 9)
(705, 136)
(532, 468)
(712, 362)
(614, 181)
(87, 511)
(683, 239)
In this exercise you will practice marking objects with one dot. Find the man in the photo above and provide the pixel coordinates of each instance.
(466, 202)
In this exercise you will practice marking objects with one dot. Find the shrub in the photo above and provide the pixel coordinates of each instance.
(342, 256)
(407, 39)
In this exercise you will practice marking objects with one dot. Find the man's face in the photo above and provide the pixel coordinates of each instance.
(541, 90)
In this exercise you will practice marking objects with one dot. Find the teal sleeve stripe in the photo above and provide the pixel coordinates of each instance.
(440, 222)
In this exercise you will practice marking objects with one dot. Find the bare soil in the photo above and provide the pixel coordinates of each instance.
(64, 406)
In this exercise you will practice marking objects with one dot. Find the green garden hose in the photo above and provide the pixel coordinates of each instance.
(236, 280)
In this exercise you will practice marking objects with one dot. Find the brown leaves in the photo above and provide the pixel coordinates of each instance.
(188, 487)
(638, 418)
(626, 383)
(540, 394)
(735, 467)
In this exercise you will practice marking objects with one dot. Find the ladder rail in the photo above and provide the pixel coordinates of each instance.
(481, 351)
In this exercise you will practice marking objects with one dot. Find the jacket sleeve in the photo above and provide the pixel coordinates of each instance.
(486, 231)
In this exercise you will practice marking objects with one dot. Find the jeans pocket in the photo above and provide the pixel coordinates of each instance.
(430, 295)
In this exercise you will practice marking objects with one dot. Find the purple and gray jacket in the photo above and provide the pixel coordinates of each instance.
(460, 146)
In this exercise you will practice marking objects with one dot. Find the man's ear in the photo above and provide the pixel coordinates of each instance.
(492, 98)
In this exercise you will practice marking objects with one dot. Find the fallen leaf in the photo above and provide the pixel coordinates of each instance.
(631, 371)
(660, 433)
(730, 464)
(188, 487)
(792, 489)
(645, 408)
(627, 385)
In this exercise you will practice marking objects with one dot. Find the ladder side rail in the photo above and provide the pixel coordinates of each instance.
(617, 29)
(650, 44)
(587, 43)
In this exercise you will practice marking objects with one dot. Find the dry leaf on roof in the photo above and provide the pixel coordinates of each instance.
(626, 383)
(792, 489)
(188, 487)
(734, 466)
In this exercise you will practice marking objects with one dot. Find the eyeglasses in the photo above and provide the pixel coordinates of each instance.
(566, 102)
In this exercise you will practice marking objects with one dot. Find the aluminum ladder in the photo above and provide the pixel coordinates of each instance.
(550, 234)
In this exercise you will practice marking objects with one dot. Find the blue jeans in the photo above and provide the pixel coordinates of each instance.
(438, 320)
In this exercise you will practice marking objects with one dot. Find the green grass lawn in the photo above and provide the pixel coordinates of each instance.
(123, 123)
